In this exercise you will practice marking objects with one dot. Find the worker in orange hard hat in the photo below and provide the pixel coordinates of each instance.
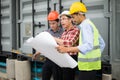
(91, 44)
(50, 68)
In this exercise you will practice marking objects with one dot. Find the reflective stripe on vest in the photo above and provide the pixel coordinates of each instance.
(89, 60)
(92, 59)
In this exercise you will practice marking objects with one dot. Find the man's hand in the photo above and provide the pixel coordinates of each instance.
(62, 49)
(35, 55)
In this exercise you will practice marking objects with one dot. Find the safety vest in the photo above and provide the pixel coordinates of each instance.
(92, 59)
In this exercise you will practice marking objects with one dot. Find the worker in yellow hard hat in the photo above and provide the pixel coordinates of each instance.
(91, 44)
(49, 68)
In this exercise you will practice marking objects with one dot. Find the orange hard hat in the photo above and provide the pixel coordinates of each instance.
(53, 15)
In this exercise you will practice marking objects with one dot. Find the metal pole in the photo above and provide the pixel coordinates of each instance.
(33, 22)
(33, 13)
(55, 6)
(48, 9)
(60, 7)
(0, 28)
(19, 29)
(14, 32)
(109, 29)
(48, 6)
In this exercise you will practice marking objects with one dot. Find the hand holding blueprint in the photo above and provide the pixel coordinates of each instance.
(45, 44)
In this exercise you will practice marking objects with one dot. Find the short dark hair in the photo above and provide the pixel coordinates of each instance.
(69, 16)
(57, 20)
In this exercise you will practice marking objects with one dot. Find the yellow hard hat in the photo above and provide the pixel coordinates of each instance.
(77, 7)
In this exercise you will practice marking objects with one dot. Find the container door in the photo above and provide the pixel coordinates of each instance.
(115, 39)
(8, 37)
(26, 21)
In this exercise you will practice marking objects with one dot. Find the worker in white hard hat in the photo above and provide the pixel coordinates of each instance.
(91, 44)
(69, 38)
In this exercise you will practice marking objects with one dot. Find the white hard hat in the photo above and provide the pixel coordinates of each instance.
(67, 13)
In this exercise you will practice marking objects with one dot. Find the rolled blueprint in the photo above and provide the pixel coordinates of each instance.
(45, 44)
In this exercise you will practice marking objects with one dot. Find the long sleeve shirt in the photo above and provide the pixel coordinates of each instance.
(57, 33)
(70, 37)
(87, 38)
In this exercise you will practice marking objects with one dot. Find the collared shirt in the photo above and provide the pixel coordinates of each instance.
(70, 37)
(87, 38)
(57, 34)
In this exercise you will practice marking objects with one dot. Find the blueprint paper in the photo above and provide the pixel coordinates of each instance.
(45, 44)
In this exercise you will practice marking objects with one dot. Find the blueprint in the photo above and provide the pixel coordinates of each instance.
(45, 44)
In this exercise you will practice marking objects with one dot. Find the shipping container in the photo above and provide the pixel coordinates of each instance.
(22, 19)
